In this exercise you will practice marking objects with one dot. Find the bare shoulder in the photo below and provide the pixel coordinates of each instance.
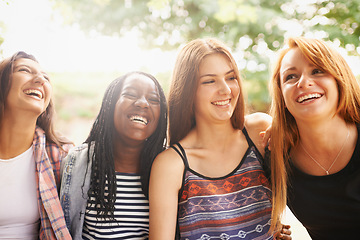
(166, 173)
(169, 161)
(258, 120)
(256, 123)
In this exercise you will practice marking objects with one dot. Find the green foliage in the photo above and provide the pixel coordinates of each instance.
(169, 23)
(343, 22)
(79, 95)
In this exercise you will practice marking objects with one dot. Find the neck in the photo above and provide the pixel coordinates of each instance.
(16, 136)
(325, 134)
(127, 158)
(214, 136)
(325, 148)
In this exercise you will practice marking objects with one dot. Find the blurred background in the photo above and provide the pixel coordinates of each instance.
(85, 44)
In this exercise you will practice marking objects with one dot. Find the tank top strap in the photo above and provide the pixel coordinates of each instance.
(248, 139)
(180, 150)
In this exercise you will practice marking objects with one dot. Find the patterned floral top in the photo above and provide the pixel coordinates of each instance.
(236, 206)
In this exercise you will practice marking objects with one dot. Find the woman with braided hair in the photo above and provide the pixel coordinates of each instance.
(105, 180)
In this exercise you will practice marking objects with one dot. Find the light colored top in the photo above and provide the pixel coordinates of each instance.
(131, 213)
(19, 212)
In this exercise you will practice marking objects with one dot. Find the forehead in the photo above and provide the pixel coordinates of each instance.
(217, 63)
(292, 58)
(140, 82)
(28, 62)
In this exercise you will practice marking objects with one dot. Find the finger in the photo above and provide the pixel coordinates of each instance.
(277, 235)
(265, 135)
(285, 237)
(286, 226)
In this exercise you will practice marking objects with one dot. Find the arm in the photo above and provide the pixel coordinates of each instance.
(165, 183)
(255, 124)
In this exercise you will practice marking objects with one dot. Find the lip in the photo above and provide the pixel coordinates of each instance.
(308, 97)
(36, 93)
(139, 118)
(221, 103)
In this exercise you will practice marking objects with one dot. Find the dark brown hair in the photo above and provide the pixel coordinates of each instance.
(46, 119)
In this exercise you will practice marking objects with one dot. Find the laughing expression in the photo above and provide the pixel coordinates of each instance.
(137, 110)
(309, 92)
(30, 89)
(218, 89)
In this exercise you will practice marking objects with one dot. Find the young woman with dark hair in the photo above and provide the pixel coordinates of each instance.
(105, 180)
(30, 153)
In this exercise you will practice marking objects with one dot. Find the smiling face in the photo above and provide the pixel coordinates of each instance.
(137, 110)
(30, 89)
(309, 92)
(218, 89)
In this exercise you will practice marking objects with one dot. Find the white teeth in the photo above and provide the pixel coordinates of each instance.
(221, 103)
(139, 119)
(34, 92)
(308, 96)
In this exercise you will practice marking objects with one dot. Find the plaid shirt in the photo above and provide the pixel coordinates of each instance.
(48, 157)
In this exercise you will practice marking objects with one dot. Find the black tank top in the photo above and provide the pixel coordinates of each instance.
(328, 206)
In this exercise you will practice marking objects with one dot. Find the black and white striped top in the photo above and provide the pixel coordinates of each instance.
(131, 213)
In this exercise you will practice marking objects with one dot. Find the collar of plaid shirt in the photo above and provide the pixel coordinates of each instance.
(48, 158)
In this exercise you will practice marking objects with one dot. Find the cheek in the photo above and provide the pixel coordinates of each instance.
(156, 112)
(48, 91)
(198, 99)
(116, 114)
(285, 91)
(235, 89)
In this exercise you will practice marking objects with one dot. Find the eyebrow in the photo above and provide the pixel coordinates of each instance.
(25, 65)
(288, 69)
(213, 75)
(134, 88)
(294, 68)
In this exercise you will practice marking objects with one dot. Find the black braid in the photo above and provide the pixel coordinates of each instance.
(100, 139)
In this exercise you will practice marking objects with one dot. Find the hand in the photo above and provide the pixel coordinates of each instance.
(284, 233)
(266, 137)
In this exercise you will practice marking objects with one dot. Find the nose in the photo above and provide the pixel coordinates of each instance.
(304, 81)
(224, 87)
(142, 102)
(39, 78)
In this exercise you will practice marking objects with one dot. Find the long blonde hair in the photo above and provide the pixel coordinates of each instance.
(284, 132)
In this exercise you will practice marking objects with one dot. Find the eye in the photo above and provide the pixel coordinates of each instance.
(209, 81)
(290, 77)
(232, 78)
(317, 71)
(154, 100)
(129, 95)
(24, 69)
(47, 78)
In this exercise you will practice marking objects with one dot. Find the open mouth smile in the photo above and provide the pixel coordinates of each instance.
(308, 97)
(34, 92)
(221, 103)
(139, 119)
